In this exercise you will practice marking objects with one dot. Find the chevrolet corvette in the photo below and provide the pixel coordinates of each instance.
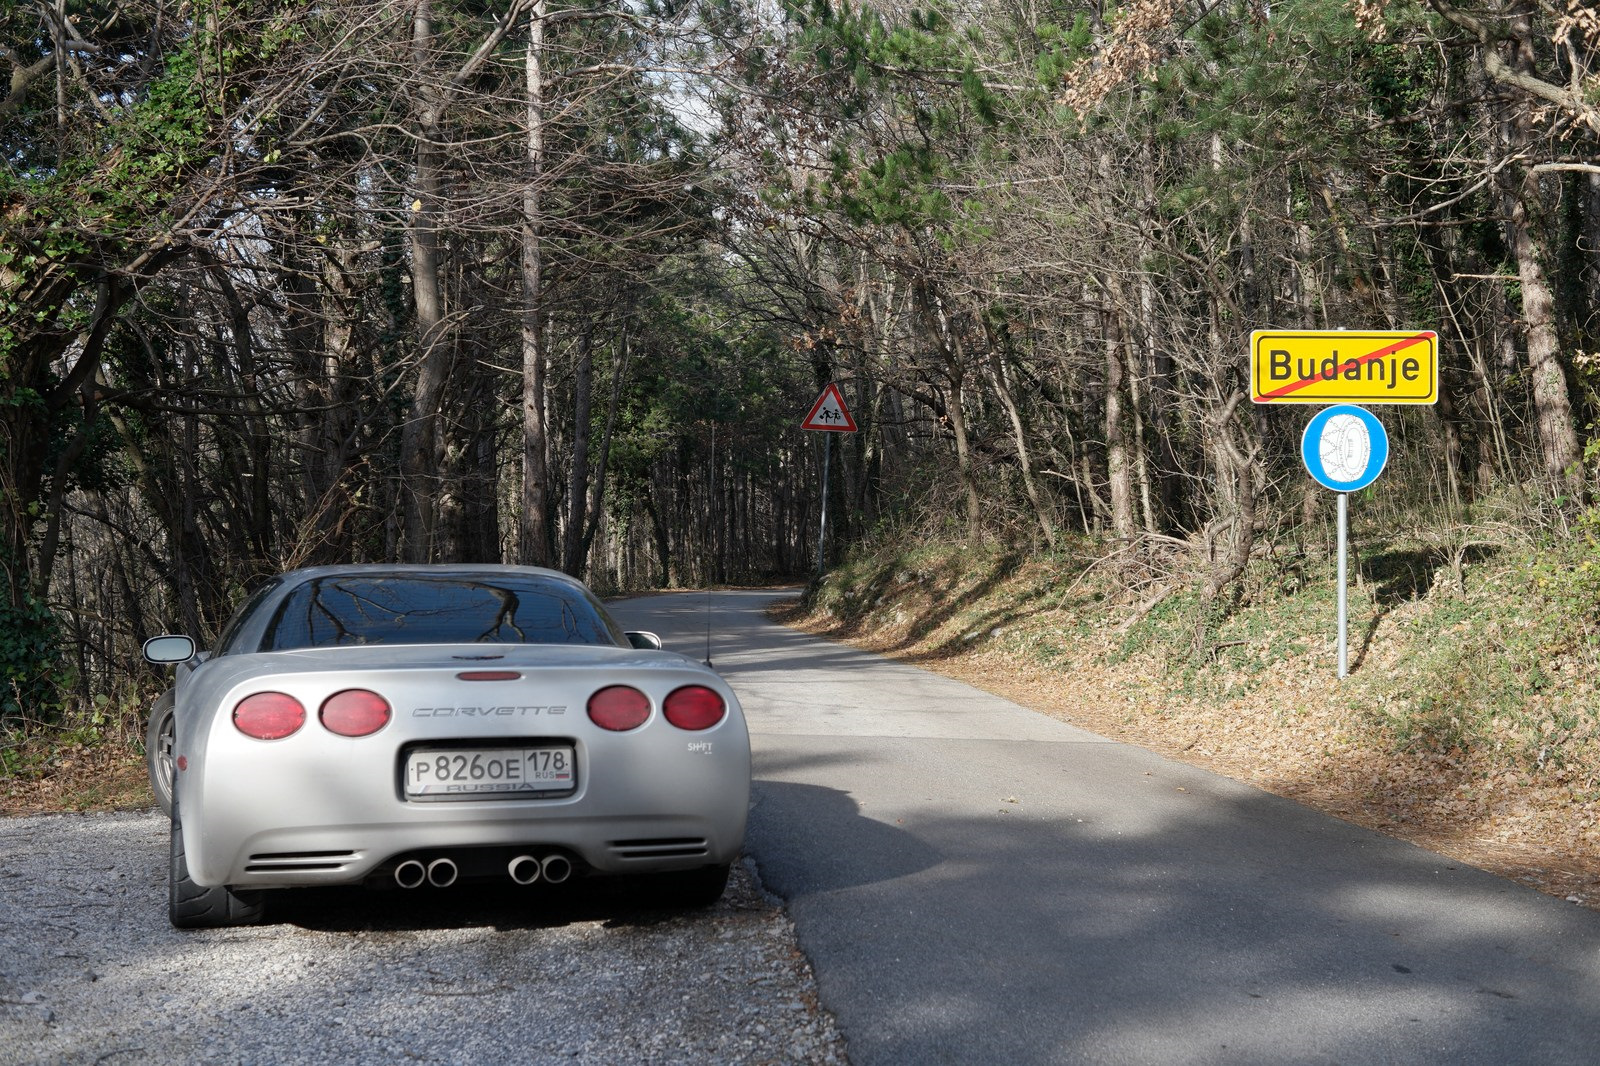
(431, 727)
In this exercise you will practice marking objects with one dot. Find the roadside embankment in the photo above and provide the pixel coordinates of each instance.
(1470, 722)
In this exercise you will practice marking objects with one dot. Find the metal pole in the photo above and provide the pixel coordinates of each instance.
(821, 535)
(1344, 617)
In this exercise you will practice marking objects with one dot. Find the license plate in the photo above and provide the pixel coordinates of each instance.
(483, 773)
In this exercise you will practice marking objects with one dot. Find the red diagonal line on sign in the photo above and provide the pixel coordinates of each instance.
(1296, 386)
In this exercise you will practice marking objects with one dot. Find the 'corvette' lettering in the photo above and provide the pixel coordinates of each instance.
(486, 712)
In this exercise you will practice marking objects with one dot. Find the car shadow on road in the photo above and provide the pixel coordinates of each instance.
(616, 902)
(823, 852)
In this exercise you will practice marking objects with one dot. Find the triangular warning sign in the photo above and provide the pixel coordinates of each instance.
(829, 413)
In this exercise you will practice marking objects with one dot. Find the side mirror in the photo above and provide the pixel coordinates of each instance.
(168, 649)
(645, 641)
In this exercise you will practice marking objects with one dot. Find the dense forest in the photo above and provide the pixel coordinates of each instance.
(555, 281)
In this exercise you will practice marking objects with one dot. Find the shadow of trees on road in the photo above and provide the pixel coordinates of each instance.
(1177, 917)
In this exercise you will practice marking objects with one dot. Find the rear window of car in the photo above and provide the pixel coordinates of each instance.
(437, 609)
(228, 641)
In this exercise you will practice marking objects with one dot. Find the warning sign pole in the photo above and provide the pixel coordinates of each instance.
(828, 415)
(822, 534)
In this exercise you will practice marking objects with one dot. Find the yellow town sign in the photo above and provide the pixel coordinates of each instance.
(1344, 366)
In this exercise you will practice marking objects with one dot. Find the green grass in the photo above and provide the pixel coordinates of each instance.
(1501, 668)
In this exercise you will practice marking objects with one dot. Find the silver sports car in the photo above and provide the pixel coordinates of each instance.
(422, 726)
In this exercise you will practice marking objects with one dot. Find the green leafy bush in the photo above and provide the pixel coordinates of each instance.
(30, 663)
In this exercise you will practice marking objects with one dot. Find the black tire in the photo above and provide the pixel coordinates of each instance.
(158, 734)
(190, 906)
(691, 889)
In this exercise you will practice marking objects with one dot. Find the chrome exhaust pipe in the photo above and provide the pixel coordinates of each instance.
(410, 874)
(524, 869)
(441, 873)
(556, 868)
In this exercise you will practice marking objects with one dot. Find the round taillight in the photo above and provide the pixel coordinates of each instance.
(355, 712)
(619, 708)
(694, 707)
(269, 715)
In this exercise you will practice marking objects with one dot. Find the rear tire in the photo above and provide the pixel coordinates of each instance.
(191, 906)
(158, 738)
(692, 889)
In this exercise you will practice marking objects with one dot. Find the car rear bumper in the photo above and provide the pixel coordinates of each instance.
(316, 808)
(342, 821)
(348, 854)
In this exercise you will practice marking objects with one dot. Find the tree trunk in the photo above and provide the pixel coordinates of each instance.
(1156, 360)
(1119, 466)
(419, 447)
(535, 545)
(1558, 436)
(956, 415)
(578, 480)
(1019, 437)
(597, 491)
(954, 410)
(660, 538)
(1224, 571)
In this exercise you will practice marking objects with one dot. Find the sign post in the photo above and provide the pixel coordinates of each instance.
(1344, 447)
(828, 415)
(1344, 584)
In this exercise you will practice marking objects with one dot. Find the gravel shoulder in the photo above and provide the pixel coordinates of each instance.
(90, 971)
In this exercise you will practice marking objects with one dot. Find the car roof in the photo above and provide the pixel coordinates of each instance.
(427, 570)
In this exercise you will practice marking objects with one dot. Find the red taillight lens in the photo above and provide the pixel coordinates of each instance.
(619, 708)
(269, 715)
(355, 712)
(694, 707)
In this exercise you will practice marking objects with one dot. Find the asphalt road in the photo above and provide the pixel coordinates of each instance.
(976, 883)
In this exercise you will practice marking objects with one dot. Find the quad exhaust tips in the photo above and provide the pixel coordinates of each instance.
(525, 869)
(410, 874)
(440, 873)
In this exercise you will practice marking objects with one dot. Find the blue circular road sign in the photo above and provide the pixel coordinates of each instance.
(1345, 448)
